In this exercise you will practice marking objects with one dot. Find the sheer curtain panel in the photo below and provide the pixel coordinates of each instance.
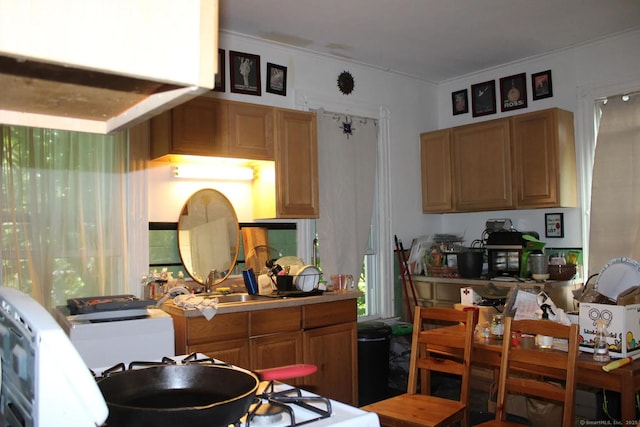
(63, 213)
(347, 159)
(615, 195)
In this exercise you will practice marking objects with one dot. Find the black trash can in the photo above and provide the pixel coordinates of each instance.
(373, 362)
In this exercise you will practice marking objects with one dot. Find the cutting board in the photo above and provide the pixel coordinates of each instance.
(256, 242)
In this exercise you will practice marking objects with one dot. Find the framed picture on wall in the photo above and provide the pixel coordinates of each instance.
(460, 102)
(276, 79)
(219, 79)
(245, 73)
(541, 85)
(554, 225)
(483, 98)
(513, 92)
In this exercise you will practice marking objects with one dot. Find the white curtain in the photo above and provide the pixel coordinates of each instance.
(63, 213)
(347, 153)
(615, 196)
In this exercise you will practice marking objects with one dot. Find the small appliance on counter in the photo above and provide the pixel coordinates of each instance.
(505, 251)
(107, 330)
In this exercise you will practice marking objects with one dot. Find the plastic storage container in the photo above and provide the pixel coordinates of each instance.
(373, 362)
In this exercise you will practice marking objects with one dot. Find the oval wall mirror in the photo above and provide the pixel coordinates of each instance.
(208, 236)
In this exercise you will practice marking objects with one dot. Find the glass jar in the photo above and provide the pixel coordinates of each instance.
(497, 326)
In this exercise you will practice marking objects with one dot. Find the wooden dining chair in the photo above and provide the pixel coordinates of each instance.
(547, 374)
(434, 348)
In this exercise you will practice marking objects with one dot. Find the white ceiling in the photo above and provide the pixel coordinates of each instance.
(433, 40)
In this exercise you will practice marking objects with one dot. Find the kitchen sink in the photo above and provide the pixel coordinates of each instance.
(237, 298)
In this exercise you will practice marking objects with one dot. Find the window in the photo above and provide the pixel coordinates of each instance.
(63, 213)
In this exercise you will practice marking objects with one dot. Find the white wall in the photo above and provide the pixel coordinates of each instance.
(415, 107)
(411, 105)
(610, 63)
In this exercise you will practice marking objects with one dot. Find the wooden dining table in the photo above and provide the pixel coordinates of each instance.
(625, 380)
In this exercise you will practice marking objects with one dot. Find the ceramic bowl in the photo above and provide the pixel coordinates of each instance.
(562, 272)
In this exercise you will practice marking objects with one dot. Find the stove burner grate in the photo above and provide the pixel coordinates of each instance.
(282, 400)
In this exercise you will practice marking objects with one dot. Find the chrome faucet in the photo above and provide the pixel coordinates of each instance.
(211, 277)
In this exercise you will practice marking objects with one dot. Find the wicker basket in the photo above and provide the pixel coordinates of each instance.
(433, 271)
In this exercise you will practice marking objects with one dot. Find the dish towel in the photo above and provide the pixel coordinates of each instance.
(207, 306)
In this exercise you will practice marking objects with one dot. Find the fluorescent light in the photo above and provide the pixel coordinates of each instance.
(214, 172)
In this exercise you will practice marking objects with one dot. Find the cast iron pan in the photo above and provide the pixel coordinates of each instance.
(186, 395)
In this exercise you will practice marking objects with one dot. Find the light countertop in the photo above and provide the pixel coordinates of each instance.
(264, 304)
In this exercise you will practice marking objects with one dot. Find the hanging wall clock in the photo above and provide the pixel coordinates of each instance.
(345, 82)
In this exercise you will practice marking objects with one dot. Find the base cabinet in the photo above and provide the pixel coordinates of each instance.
(323, 334)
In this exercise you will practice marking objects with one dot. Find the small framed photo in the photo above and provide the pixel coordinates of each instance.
(276, 79)
(219, 79)
(483, 98)
(541, 85)
(554, 225)
(513, 92)
(460, 102)
(245, 73)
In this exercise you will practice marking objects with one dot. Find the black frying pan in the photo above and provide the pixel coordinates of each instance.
(186, 395)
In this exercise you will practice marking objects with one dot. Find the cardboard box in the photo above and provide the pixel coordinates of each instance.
(623, 327)
(485, 312)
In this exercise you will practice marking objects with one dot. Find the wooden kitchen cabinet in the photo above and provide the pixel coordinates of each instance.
(544, 159)
(283, 143)
(296, 164)
(482, 166)
(527, 161)
(208, 126)
(323, 334)
(437, 179)
(226, 339)
(250, 131)
(330, 342)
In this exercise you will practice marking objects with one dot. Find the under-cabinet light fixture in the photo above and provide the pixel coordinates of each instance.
(213, 172)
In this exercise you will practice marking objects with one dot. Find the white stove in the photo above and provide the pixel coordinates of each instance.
(311, 412)
(307, 408)
(45, 382)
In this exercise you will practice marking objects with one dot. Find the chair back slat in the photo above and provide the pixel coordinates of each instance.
(546, 374)
(440, 350)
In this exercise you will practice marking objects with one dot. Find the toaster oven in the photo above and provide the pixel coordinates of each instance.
(504, 252)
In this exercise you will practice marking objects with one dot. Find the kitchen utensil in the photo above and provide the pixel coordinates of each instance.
(617, 276)
(284, 283)
(194, 395)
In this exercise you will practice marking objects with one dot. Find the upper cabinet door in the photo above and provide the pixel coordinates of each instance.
(200, 128)
(482, 166)
(544, 159)
(250, 131)
(296, 152)
(435, 159)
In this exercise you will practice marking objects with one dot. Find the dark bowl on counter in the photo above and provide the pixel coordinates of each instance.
(562, 272)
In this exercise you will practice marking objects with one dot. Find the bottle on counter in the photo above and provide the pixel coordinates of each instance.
(601, 346)
(497, 326)
(545, 342)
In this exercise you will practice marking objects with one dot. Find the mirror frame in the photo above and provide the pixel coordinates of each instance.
(230, 216)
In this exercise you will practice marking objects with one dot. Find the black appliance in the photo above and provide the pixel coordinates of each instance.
(504, 252)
